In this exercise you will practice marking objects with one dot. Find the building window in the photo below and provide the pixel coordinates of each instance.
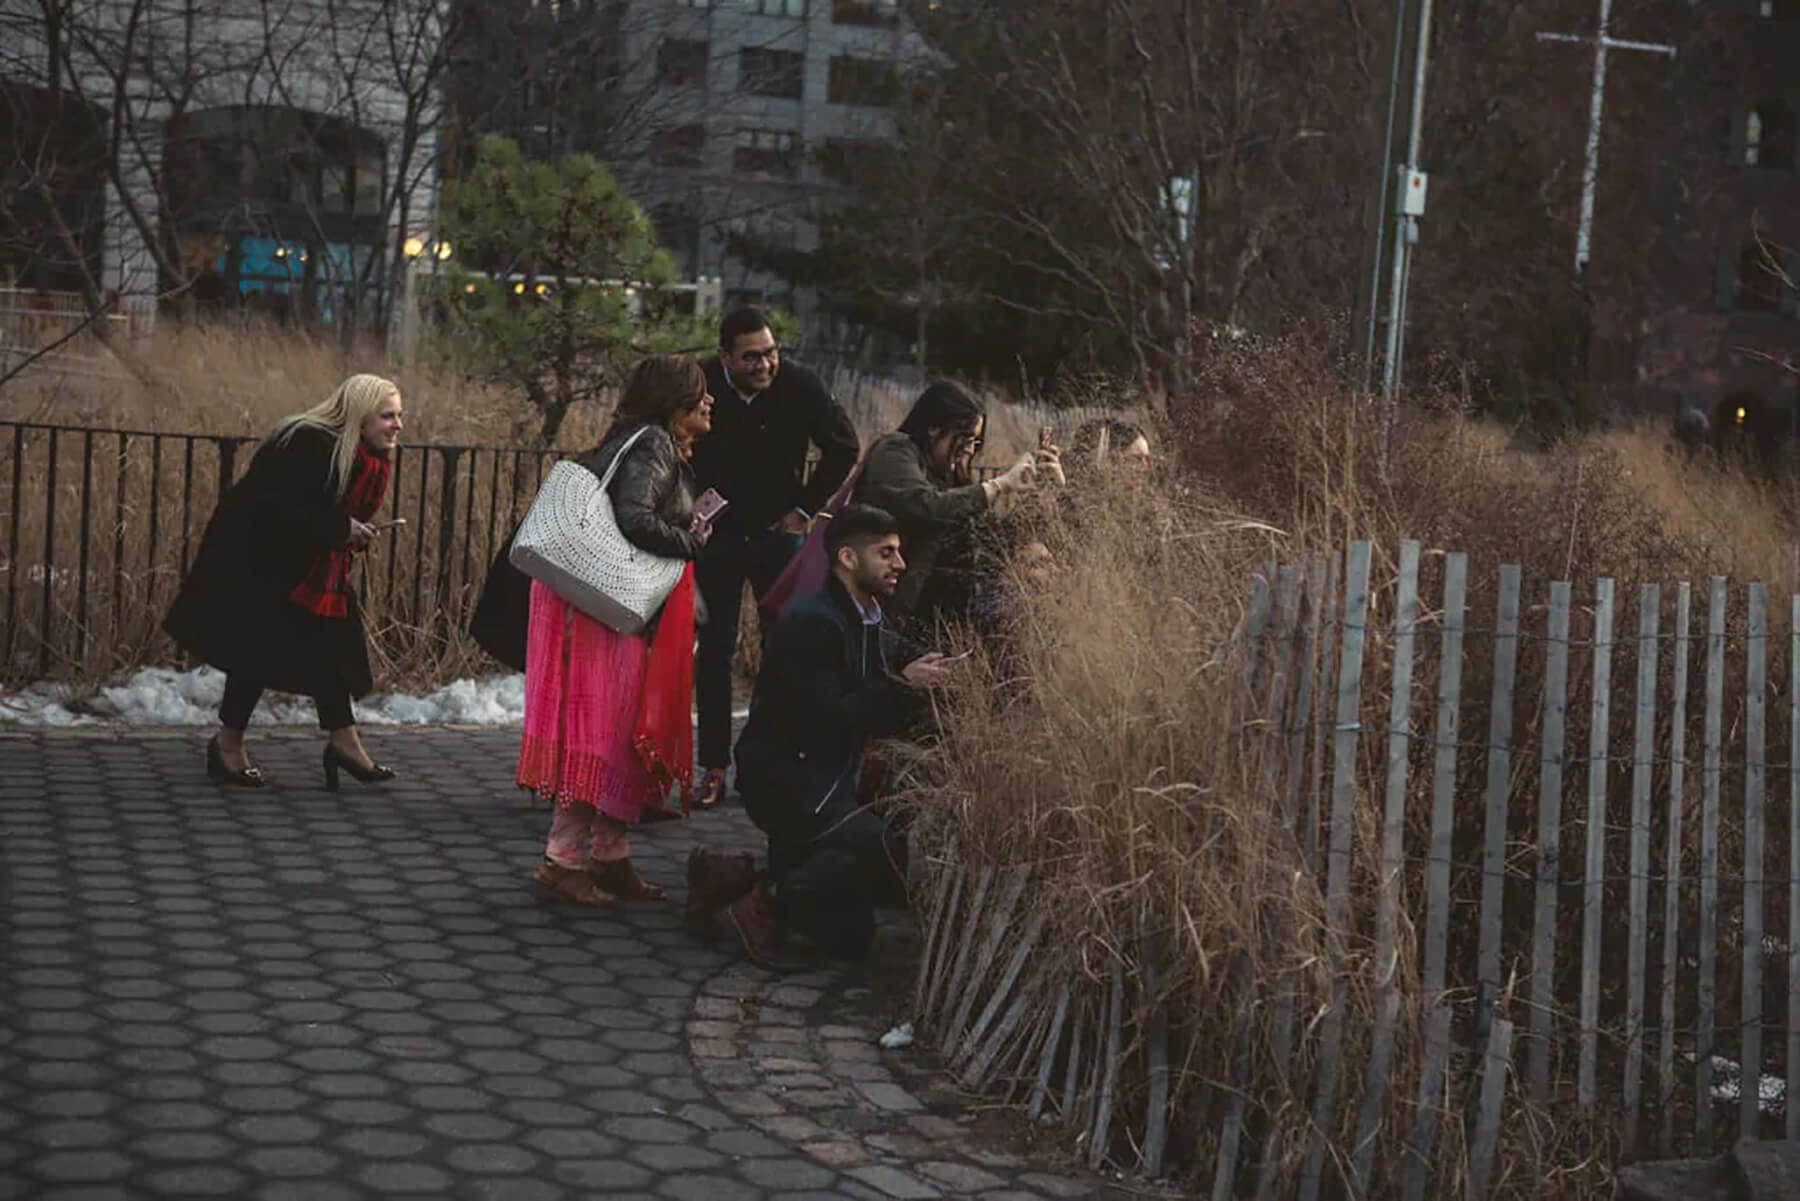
(766, 72)
(678, 229)
(334, 188)
(681, 63)
(865, 12)
(1779, 10)
(678, 145)
(776, 8)
(850, 159)
(766, 152)
(864, 81)
(1769, 136)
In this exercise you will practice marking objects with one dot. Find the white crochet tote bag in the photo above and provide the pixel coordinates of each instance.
(570, 542)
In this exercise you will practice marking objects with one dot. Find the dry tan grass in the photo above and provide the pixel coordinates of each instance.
(1113, 756)
(237, 381)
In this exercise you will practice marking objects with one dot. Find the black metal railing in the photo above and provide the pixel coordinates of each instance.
(101, 525)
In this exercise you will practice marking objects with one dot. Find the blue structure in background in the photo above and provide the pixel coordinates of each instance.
(320, 279)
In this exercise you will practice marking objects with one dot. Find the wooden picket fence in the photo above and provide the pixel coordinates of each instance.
(1610, 1007)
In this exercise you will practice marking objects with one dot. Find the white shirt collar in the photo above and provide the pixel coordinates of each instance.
(872, 615)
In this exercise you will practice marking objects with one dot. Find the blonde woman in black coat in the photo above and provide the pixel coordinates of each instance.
(268, 600)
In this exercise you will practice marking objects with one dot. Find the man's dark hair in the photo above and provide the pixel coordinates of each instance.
(739, 322)
(856, 527)
(943, 406)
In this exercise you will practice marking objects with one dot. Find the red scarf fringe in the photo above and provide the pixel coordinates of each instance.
(664, 734)
(326, 588)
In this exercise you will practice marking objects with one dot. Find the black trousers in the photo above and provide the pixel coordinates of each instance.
(242, 694)
(827, 877)
(720, 573)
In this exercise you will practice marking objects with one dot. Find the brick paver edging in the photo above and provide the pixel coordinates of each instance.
(769, 1058)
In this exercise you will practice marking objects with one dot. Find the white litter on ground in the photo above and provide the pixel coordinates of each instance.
(1727, 1082)
(899, 1036)
(162, 696)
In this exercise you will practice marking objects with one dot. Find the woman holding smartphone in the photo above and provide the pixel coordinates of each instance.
(607, 714)
(268, 599)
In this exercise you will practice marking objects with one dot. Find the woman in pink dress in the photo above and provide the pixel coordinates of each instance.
(607, 720)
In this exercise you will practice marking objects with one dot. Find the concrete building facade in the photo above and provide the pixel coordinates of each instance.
(1719, 335)
(222, 153)
(712, 112)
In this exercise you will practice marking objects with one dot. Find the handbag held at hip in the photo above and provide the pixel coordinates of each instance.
(570, 542)
(806, 571)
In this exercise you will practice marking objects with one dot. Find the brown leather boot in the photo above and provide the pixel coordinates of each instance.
(716, 879)
(752, 917)
(622, 880)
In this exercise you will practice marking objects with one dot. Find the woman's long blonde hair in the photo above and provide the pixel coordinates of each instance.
(343, 414)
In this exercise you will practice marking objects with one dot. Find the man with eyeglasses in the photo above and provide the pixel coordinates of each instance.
(766, 414)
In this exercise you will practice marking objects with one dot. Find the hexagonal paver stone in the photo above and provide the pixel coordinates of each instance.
(174, 1115)
(604, 1176)
(650, 1130)
(1055, 1186)
(786, 1174)
(405, 1177)
(676, 1157)
(492, 1159)
(893, 1182)
(184, 1145)
(573, 1144)
(279, 1129)
(200, 1180)
(81, 1167)
(290, 1162)
(960, 1178)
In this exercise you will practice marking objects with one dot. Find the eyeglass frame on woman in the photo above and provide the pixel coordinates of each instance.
(969, 441)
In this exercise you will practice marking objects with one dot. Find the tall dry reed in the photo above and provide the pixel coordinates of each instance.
(1114, 752)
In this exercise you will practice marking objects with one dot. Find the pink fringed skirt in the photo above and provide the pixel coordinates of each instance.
(582, 688)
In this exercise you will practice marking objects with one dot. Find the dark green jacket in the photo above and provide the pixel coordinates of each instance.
(937, 523)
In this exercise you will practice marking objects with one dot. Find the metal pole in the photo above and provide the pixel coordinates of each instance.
(1405, 227)
(1381, 210)
(1590, 172)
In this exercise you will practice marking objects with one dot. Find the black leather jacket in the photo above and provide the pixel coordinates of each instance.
(652, 492)
(653, 502)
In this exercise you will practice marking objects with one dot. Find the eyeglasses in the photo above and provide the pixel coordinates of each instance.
(761, 356)
(970, 442)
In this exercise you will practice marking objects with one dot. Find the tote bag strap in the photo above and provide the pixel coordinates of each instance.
(842, 497)
(613, 467)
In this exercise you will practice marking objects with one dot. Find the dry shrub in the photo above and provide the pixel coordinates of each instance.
(1113, 751)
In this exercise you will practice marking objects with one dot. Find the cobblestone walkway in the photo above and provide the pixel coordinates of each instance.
(292, 994)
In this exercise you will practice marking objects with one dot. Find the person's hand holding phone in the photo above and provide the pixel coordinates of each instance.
(361, 532)
(931, 670)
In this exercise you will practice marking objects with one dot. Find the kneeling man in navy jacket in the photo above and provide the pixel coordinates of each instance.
(834, 680)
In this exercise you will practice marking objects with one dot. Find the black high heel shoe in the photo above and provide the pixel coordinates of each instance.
(335, 759)
(247, 777)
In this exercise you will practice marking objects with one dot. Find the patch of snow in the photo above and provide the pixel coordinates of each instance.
(162, 696)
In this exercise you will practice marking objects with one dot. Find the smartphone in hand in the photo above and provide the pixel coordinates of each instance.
(709, 504)
(392, 523)
(1046, 435)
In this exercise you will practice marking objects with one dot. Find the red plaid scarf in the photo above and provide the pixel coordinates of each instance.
(326, 588)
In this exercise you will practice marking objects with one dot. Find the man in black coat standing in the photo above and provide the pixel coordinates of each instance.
(834, 680)
(765, 416)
